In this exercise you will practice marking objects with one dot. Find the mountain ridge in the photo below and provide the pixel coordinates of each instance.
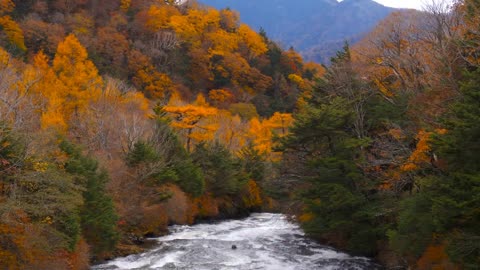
(315, 28)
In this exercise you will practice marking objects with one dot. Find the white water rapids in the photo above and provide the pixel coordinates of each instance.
(264, 241)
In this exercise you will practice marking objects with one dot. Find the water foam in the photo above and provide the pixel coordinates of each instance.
(264, 241)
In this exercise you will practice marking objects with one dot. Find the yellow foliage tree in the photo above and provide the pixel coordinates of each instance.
(421, 153)
(253, 40)
(77, 73)
(159, 17)
(260, 135)
(279, 123)
(220, 97)
(222, 42)
(196, 23)
(154, 84)
(191, 119)
(51, 89)
(69, 85)
(298, 80)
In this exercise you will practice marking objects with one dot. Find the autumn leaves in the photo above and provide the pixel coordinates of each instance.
(199, 122)
(182, 105)
(71, 85)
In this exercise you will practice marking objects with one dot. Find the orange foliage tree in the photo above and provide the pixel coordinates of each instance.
(69, 85)
(191, 119)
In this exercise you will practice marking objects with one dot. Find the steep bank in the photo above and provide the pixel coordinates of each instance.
(182, 209)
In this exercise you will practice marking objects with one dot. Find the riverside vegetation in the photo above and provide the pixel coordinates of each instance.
(120, 117)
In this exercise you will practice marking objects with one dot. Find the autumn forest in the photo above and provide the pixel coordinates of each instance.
(121, 117)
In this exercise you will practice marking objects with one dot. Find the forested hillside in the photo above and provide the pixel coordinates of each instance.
(120, 117)
(385, 148)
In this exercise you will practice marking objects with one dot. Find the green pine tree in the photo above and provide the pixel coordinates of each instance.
(223, 172)
(456, 207)
(447, 206)
(323, 139)
(97, 215)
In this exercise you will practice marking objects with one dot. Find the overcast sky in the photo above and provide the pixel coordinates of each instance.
(417, 4)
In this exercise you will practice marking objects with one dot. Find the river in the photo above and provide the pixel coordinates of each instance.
(263, 241)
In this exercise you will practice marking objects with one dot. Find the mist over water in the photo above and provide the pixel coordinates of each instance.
(264, 241)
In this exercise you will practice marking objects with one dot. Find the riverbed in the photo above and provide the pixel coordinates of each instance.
(262, 241)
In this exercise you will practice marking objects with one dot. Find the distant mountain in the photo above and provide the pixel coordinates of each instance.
(317, 28)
